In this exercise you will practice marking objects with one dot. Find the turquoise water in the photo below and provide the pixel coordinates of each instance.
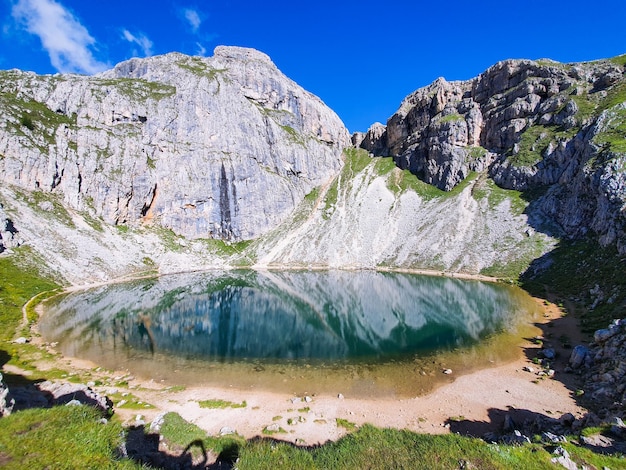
(287, 320)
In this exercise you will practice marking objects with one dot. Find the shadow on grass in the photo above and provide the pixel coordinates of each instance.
(25, 393)
(145, 448)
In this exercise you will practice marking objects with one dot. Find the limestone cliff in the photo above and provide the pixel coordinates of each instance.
(222, 147)
(532, 125)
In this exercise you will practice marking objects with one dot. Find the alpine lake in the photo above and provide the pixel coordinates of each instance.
(363, 333)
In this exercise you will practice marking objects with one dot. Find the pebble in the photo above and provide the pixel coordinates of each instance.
(447, 371)
(340, 396)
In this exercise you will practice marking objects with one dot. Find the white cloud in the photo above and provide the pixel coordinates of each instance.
(201, 49)
(141, 40)
(64, 38)
(193, 18)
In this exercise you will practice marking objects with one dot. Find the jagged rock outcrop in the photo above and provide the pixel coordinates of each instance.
(222, 147)
(532, 124)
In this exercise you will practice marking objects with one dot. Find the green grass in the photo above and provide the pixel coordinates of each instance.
(128, 401)
(18, 283)
(374, 448)
(221, 404)
(344, 423)
(64, 437)
(486, 188)
(356, 160)
(577, 267)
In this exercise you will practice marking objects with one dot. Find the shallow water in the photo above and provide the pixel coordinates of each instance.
(367, 333)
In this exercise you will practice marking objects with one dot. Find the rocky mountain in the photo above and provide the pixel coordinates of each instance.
(531, 125)
(223, 147)
(176, 163)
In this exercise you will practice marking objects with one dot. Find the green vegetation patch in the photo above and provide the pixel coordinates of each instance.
(451, 118)
(138, 89)
(487, 188)
(221, 404)
(199, 66)
(374, 448)
(180, 434)
(613, 137)
(356, 160)
(62, 437)
(19, 281)
(587, 274)
(532, 144)
(344, 423)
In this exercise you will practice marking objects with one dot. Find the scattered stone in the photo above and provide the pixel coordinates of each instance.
(340, 396)
(21, 340)
(509, 424)
(553, 438)
(296, 400)
(272, 427)
(157, 423)
(562, 458)
(308, 399)
(46, 206)
(601, 336)
(226, 430)
(6, 403)
(618, 428)
(567, 419)
(548, 353)
(578, 356)
(73, 403)
(528, 369)
(121, 403)
(447, 371)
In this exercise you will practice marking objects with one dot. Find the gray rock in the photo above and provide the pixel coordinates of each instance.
(601, 336)
(567, 419)
(562, 458)
(6, 403)
(553, 438)
(578, 356)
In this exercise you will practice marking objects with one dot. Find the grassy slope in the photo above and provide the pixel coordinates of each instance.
(374, 448)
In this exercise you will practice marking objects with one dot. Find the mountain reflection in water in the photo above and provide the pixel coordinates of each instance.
(277, 316)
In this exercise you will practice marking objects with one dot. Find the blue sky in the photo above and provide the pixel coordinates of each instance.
(360, 57)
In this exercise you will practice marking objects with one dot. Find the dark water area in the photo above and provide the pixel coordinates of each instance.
(295, 328)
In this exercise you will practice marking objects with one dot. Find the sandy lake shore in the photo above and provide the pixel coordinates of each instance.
(471, 403)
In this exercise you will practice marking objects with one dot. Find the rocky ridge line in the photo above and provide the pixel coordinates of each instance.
(533, 125)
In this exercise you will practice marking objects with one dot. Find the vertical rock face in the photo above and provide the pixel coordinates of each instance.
(221, 147)
(532, 124)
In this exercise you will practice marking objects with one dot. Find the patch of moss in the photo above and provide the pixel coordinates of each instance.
(454, 117)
